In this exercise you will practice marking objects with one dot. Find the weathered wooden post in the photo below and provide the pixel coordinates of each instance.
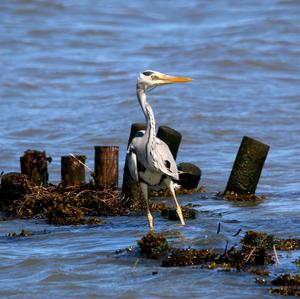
(247, 167)
(34, 165)
(189, 175)
(130, 188)
(13, 186)
(171, 137)
(107, 166)
(72, 171)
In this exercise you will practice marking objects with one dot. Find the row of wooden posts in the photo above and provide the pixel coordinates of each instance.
(243, 179)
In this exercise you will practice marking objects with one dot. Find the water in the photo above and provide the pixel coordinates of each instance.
(68, 72)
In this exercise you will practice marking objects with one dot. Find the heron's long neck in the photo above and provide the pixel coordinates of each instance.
(150, 120)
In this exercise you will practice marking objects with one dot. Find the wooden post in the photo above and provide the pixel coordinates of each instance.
(34, 165)
(247, 167)
(13, 186)
(130, 188)
(135, 127)
(190, 176)
(106, 166)
(171, 137)
(72, 171)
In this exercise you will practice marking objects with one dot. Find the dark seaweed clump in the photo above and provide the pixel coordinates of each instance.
(231, 259)
(287, 285)
(233, 196)
(171, 214)
(257, 250)
(156, 246)
(67, 206)
(262, 240)
(189, 257)
(180, 191)
(153, 245)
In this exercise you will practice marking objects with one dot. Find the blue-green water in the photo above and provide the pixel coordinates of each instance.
(67, 84)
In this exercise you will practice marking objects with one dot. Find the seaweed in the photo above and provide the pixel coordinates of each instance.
(287, 244)
(287, 285)
(171, 214)
(189, 257)
(233, 196)
(255, 254)
(263, 240)
(286, 280)
(67, 206)
(256, 239)
(286, 291)
(180, 191)
(153, 245)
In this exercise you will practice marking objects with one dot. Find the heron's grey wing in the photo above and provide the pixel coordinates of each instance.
(165, 160)
(131, 162)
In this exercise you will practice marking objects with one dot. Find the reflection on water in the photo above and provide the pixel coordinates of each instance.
(67, 80)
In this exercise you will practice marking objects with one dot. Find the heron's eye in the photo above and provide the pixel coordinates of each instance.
(147, 73)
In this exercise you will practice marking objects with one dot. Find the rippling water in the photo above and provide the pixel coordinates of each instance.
(67, 83)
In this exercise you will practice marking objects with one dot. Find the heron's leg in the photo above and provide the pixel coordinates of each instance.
(170, 184)
(144, 188)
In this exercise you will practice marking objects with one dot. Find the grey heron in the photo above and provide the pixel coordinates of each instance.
(149, 159)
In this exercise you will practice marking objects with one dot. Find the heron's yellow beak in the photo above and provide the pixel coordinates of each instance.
(172, 79)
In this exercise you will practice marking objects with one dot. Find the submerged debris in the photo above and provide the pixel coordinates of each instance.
(153, 245)
(297, 262)
(180, 191)
(260, 272)
(23, 233)
(286, 280)
(256, 239)
(263, 240)
(261, 280)
(255, 253)
(287, 244)
(189, 257)
(171, 214)
(232, 196)
(288, 285)
(67, 206)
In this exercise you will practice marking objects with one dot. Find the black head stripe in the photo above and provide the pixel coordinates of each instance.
(148, 73)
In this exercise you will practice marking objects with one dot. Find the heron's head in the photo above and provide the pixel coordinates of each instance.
(148, 80)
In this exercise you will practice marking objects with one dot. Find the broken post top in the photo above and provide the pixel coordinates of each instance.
(136, 127)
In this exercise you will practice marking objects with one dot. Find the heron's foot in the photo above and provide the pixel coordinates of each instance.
(180, 215)
(150, 220)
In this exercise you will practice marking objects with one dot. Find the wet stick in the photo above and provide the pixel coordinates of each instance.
(130, 188)
(107, 166)
(72, 170)
(247, 167)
